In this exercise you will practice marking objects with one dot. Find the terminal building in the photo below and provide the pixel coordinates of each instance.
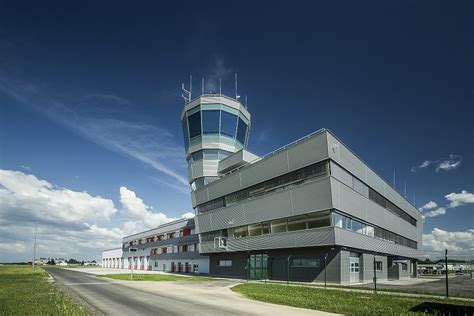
(307, 211)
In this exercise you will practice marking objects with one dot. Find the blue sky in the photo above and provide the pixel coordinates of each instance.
(90, 137)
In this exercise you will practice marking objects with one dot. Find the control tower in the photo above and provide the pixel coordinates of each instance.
(215, 127)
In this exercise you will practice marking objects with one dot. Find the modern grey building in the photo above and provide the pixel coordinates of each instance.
(308, 209)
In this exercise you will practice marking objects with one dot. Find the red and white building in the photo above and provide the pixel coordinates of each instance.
(171, 247)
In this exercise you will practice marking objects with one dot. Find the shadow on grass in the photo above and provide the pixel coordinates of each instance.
(443, 309)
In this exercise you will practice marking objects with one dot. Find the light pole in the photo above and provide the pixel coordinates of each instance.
(288, 269)
(133, 261)
(446, 265)
(375, 275)
(325, 264)
(34, 246)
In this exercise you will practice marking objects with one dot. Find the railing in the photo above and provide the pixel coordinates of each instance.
(293, 143)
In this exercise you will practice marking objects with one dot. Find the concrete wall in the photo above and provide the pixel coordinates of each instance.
(368, 268)
(160, 264)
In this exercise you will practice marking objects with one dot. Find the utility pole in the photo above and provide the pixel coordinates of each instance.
(325, 274)
(446, 264)
(34, 246)
(375, 276)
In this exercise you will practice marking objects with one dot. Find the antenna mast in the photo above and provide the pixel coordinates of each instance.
(237, 96)
(220, 86)
(190, 86)
(202, 88)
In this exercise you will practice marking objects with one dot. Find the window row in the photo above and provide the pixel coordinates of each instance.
(159, 237)
(315, 170)
(302, 222)
(380, 200)
(174, 249)
(305, 263)
(224, 263)
(214, 122)
(348, 223)
(208, 154)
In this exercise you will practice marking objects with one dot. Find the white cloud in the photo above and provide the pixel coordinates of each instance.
(219, 70)
(455, 199)
(437, 212)
(444, 164)
(71, 224)
(457, 243)
(458, 199)
(428, 206)
(25, 196)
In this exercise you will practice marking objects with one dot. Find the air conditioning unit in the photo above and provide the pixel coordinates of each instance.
(220, 242)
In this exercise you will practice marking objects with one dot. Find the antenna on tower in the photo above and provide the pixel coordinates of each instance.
(405, 189)
(190, 86)
(237, 96)
(202, 88)
(220, 86)
(245, 101)
(186, 95)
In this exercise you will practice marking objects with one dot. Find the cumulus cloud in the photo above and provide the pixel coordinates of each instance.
(449, 163)
(438, 240)
(456, 199)
(71, 224)
(25, 196)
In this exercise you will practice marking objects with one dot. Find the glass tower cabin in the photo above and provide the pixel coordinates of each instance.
(214, 127)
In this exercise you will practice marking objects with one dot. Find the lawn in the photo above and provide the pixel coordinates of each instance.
(351, 303)
(24, 291)
(157, 277)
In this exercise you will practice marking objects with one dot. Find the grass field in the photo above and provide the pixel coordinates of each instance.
(351, 303)
(157, 277)
(24, 291)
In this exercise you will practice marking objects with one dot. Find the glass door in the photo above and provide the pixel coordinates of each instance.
(258, 266)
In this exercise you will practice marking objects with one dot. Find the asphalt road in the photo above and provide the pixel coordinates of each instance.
(113, 297)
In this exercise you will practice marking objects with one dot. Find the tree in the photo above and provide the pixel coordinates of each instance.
(72, 261)
(51, 262)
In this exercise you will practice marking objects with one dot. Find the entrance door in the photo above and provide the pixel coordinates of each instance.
(354, 270)
(258, 267)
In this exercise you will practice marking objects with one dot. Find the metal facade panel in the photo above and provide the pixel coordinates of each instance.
(201, 196)
(308, 152)
(203, 223)
(360, 187)
(375, 182)
(312, 196)
(350, 201)
(341, 174)
(265, 169)
(224, 186)
(267, 207)
(227, 217)
(305, 238)
(375, 213)
(359, 241)
(197, 170)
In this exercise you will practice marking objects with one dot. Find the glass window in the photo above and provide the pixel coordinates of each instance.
(255, 229)
(241, 131)
(194, 124)
(357, 226)
(196, 156)
(185, 134)
(224, 263)
(378, 265)
(347, 223)
(279, 226)
(320, 219)
(210, 121)
(305, 263)
(370, 231)
(266, 228)
(228, 124)
(211, 154)
(297, 223)
(240, 232)
(337, 220)
(224, 154)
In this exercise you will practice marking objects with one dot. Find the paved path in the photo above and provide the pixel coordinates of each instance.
(113, 297)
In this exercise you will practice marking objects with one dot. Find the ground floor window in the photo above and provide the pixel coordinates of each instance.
(378, 265)
(156, 264)
(224, 263)
(305, 263)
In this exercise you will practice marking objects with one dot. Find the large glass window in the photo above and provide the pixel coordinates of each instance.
(185, 134)
(297, 223)
(316, 220)
(279, 226)
(240, 232)
(255, 229)
(210, 121)
(228, 124)
(194, 124)
(266, 228)
(241, 131)
(211, 154)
